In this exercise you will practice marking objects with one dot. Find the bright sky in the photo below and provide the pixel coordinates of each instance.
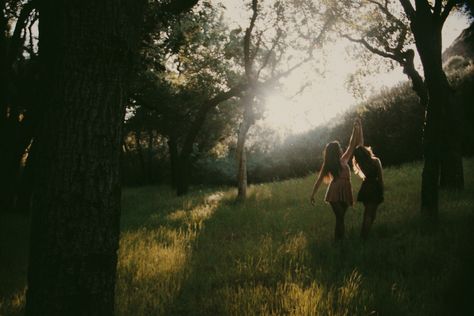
(327, 96)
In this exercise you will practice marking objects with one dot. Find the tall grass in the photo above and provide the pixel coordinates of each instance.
(204, 254)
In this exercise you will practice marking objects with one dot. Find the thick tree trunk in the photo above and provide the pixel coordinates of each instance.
(417, 81)
(440, 113)
(3, 67)
(241, 153)
(452, 171)
(451, 175)
(85, 52)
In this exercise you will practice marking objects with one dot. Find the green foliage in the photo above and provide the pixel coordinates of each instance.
(274, 254)
(456, 64)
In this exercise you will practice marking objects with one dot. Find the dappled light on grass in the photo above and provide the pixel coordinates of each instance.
(153, 261)
(294, 297)
(274, 254)
(14, 304)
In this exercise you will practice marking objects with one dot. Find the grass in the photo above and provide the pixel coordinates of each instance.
(203, 254)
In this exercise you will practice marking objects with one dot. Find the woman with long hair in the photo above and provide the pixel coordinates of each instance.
(335, 170)
(371, 192)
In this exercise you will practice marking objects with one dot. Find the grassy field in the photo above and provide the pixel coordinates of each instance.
(274, 255)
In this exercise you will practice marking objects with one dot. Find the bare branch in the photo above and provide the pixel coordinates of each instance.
(437, 7)
(257, 45)
(17, 39)
(447, 9)
(408, 8)
(401, 39)
(266, 59)
(386, 11)
(247, 38)
(178, 6)
(373, 49)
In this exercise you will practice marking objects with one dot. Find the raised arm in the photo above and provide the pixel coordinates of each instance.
(352, 142)
(316, 185)
(360, 134)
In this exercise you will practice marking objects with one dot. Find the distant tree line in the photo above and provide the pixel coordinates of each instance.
(393, 121)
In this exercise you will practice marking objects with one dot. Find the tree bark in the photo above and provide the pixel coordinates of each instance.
(86, 50)
(418, 84)
(241, 154)
(3, 66)
(440, 112)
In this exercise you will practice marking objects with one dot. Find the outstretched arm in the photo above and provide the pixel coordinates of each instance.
(316, 185)
(360, 134)
(352, 142)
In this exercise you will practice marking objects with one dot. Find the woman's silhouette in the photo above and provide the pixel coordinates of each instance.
(371, 192)
(336, 169)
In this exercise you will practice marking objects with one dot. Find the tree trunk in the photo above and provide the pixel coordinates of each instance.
(450, 157)
(182, 187)
(241, 154)
(86, 50)
(151, 178)
(452, 171)
(3, 67)
(242, 165)
(174, 163)
(439, 113)
(418, 85)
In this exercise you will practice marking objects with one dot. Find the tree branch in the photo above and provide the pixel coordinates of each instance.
(247, 38)
(437, 7)
(202, 114)
(373, 49)
(408, 8)
(266, 59)
(17, 40)
(447, 9)
(176, 7)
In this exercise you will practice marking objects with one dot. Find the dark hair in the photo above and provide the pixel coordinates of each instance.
(362, 161)
(332, 160)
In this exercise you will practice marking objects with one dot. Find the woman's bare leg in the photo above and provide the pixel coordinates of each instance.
(339, 209)
(369, 218)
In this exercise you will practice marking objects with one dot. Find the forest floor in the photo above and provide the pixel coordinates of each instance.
(204, 254)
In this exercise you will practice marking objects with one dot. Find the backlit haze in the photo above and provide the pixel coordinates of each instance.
(326, 96)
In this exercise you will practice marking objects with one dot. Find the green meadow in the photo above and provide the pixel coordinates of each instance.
(204, 254)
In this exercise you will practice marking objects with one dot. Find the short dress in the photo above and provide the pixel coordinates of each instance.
(371, 190)
(340, 188)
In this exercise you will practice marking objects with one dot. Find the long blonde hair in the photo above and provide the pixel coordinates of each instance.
(362, 160)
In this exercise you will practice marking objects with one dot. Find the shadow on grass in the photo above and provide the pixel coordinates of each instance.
(275, 255)
(14, 237)
(203, 254)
